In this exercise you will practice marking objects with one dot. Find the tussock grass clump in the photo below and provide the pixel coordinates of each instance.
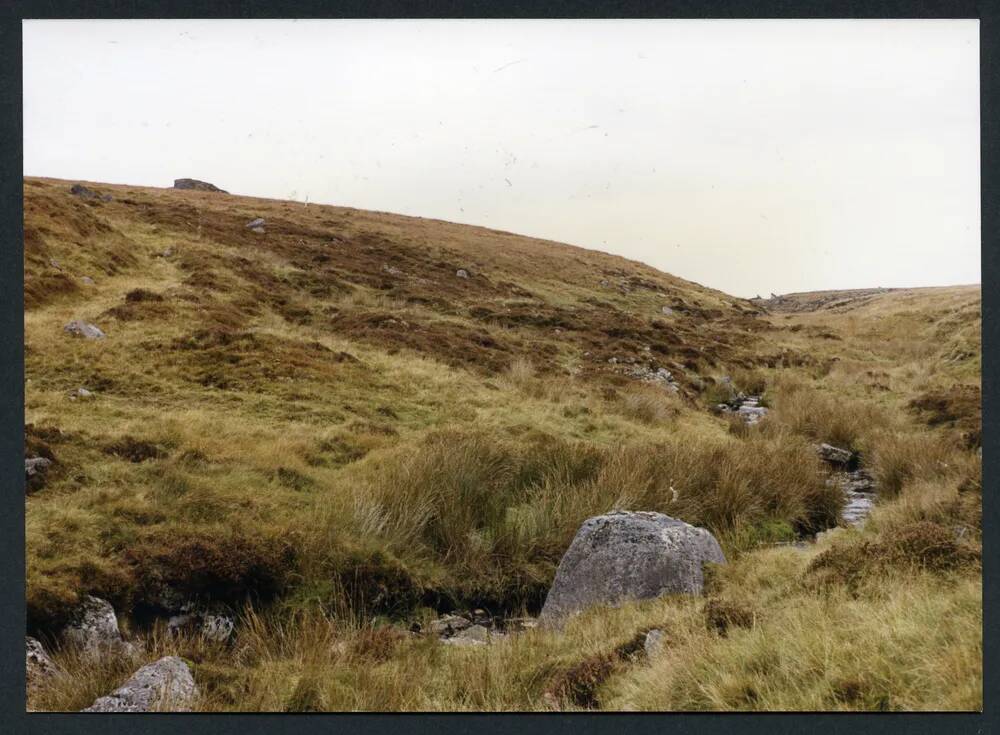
(825, 417)
(722, 614)
(649, 404)
(899, 457)
(752, 381)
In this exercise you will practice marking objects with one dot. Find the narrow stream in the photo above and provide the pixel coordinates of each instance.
(859, 487)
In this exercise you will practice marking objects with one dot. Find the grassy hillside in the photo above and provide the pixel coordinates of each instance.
(357, 420)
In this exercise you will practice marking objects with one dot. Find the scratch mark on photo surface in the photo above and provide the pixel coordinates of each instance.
(509, 63)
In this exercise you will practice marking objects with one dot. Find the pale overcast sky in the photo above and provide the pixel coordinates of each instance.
(750, 156)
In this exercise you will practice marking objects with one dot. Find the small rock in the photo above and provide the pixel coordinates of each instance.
(392, 270)
(834, 455)
(751, 414)
(178, 623)
(167, 252)
(82, 393)
(197, 185)
(95, 628)
(654, 642)
(475, 635)
(34, 466)
(481, 617)
(258, 230)
(667, 311)
(38, 664)
(55, 264)
(82, 191)
(462, 273)
(259, 222)
(87, 281)
(449, 625)
(165, 686)
(217, 628)
(80, 328)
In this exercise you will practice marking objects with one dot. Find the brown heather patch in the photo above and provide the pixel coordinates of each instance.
(722, 614)
(922, 545)
(225, 564)
(579, 683)
(958, 407)
(454, 344)
(134, 450)
(239, 359)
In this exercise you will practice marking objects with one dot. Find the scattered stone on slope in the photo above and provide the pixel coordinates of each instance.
(83, 329)
(35, 471)
(94, 628)
(165, 685)
(462, 273)
(667, 311)
(623, 556)
(656, 376)
(197, 185)
(38, 664)
(86, 193)
(654, 642)
(81, 393)
(257, 225)
(746, 407)
(87, 281)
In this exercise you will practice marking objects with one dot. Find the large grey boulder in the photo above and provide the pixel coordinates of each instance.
(80, 328)
(623, 556)
(94, 629)
(162, 686)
